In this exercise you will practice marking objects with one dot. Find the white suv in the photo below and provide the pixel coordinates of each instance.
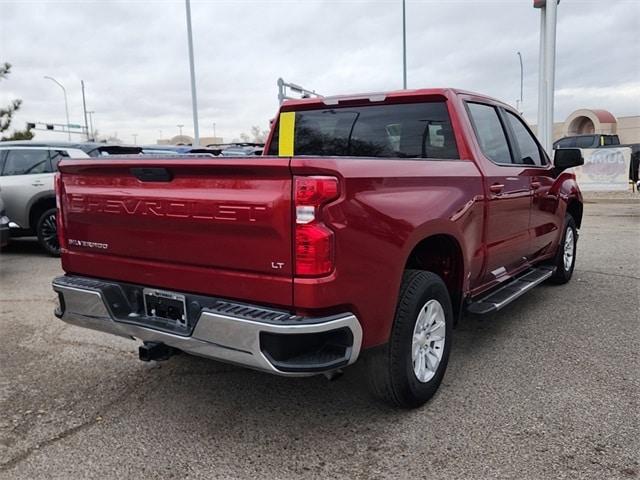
(26, 187)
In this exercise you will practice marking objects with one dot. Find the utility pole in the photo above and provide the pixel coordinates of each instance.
(84, 107)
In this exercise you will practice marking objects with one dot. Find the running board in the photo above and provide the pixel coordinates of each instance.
(511, 290)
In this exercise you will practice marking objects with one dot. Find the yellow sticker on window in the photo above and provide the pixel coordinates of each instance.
(285, 133)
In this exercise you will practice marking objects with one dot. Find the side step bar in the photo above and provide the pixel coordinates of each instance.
(511, 290)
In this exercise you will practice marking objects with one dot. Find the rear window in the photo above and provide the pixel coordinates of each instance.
(586, 142)
(565, 143)
(416, 130)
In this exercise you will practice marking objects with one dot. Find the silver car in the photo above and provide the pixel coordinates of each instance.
(4, 226)
(26, 187)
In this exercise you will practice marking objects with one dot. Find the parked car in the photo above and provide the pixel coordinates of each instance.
(26, 187)
(243, 150)
(596, 140)
(179, 151)
(4, 225)
(93, 149)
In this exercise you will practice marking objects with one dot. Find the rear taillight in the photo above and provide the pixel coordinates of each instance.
(59, 220)
(313, 239)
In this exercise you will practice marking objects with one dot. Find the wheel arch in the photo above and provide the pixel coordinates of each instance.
(38, 208)
(575, 209)
(442, 255)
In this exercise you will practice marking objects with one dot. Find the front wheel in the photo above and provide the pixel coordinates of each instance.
(408, 371)
(565, 259)
(47, 231)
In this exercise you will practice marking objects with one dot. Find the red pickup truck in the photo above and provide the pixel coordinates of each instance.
(370, 225)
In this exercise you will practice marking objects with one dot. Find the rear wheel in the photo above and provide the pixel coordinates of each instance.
(47, 231)
(565, 259)
(408, 371)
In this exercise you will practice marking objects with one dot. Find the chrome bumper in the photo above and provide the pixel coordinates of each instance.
(217, 332)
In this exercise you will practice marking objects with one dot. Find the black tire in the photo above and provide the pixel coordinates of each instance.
(565, 259)
(424, 307)
(47, 231)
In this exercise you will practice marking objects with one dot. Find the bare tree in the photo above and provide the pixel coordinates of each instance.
(257, 136)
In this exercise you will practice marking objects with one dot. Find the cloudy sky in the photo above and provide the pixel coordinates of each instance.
(133, 57)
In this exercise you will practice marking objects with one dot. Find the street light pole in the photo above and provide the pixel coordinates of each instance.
(180, 127)
(404, 46)
(521, 82)
(66, 106)
(90, 113)
(194, 100)
(135, 138)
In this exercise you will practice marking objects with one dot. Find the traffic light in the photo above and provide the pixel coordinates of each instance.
(30, 125)
(49, 127)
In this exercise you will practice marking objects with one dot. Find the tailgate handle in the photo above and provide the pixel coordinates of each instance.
(152, 174)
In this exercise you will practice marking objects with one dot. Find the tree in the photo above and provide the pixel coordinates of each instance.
(7, 113)
(257, 135)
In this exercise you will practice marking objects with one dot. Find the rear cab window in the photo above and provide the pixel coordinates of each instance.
(411, 130)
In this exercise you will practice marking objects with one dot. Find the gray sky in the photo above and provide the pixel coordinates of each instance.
(133, 57)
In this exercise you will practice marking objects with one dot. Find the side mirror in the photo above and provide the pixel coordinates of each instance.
(564, 158)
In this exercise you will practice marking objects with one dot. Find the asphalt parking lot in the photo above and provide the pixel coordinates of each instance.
(548, 388)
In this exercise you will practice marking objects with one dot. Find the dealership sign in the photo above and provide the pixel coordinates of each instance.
(604, 169)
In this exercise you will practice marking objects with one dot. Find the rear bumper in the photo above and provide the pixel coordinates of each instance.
(248, 335)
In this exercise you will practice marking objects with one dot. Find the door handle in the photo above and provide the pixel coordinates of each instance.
(37, 184)
(496, 188)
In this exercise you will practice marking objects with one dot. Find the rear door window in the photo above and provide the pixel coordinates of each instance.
(56, 156)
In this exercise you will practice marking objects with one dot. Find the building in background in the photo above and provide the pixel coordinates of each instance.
(586, 121)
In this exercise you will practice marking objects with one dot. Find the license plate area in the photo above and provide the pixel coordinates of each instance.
(168, 306)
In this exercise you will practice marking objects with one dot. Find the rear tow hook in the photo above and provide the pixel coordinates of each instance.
(156, 351)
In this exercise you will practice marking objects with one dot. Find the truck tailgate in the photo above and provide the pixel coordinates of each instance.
(217, 227)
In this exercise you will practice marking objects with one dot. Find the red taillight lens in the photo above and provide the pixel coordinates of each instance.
(59, 220)
(313, 239)
(314, 250)
(315, 190)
